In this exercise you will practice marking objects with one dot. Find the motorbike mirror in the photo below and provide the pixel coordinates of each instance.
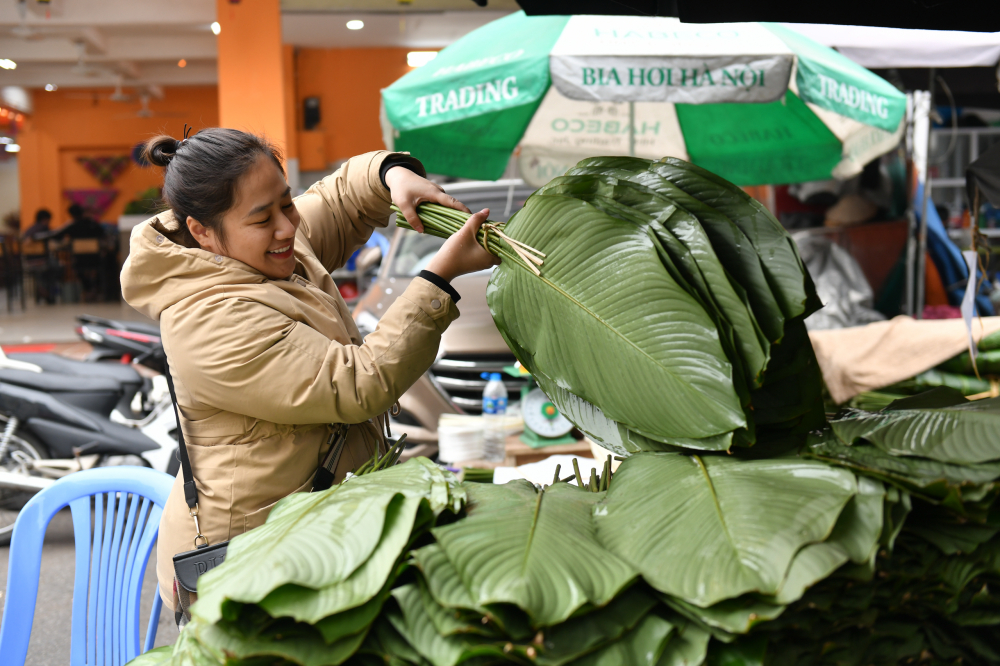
(369, 258)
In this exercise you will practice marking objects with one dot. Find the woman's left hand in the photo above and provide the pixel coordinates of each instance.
(408, 190)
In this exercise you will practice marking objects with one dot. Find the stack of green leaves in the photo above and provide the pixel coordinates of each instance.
(929, 597)
(937, 446)
(840, 569)
(552, 575)
(305, 587)
(660, 281)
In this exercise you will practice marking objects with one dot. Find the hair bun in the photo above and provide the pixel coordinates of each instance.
(161, 150)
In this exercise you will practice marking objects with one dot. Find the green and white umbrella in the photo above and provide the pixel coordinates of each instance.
(754, 102)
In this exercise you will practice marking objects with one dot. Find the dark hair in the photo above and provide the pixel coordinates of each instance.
(201, 172)
(76, 210)
(43, 215)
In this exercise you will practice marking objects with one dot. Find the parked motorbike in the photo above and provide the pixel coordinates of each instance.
(59, 416)
(134, 341)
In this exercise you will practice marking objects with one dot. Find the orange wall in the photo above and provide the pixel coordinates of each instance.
(74, 122)
(84, 122)
(348, 83)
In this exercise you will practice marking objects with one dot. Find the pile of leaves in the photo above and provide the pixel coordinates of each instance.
(668, 310)
(666, 322)
(976, 379)
(929, 595)
(863, 556)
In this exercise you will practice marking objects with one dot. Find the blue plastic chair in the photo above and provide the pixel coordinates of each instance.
(116, 517)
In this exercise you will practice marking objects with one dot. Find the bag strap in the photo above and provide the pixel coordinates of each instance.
(190, 490)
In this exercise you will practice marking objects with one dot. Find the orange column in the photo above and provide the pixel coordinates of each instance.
(251, 69)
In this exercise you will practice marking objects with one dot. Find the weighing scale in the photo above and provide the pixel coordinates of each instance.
(543, 424)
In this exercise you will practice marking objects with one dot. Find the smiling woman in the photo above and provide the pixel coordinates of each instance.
(265, 357)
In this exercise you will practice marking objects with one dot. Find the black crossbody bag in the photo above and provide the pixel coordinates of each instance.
(190, 565)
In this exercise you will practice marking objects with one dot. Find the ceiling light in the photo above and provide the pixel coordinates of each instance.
(355, 24)
(182, 63)
(216, 28)
(7, 63)
(6, 139)
(51, 87)
(12, 148)
(420, 58)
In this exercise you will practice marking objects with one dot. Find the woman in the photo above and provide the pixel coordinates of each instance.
(263, 351)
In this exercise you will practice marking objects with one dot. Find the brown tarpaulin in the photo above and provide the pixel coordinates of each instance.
(867, 358)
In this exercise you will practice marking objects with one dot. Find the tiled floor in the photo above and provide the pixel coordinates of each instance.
(53, 323)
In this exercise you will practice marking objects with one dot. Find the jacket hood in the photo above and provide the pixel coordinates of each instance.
(161, 271)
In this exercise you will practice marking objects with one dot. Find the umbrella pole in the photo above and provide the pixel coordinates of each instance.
(911, 213)
(922, 233)
(631, 129)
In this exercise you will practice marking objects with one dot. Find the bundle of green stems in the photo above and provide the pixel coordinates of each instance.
(388, 459)
(443, 222)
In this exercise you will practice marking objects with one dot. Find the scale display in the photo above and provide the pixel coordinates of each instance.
(542, 417)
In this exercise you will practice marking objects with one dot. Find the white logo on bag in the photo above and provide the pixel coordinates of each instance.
(489, 92)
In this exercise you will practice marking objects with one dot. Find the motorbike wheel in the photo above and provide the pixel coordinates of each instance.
(12, 501)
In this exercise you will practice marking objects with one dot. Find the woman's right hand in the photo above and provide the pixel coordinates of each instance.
(462, 253)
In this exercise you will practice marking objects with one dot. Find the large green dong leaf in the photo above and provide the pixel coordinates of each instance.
(322, 540)
(694, 255)
(961, 434)
(306, 604)
(606, 323)
(950, 484)
(535, 549)
(695, 528)
(738, 256)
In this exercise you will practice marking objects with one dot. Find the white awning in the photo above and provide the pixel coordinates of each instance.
(896, 47)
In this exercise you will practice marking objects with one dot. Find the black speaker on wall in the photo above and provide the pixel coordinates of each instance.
(310, 112)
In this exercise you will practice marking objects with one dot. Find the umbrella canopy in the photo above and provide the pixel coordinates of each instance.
(755, 103)
(882, 48)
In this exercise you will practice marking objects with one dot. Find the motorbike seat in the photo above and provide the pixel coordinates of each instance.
(61, 425)
(124, 374)
(50, 382)
(122, 325)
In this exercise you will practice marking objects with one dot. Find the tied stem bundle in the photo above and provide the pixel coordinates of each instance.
(443, 222)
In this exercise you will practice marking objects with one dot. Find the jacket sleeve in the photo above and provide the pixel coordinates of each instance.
(339, 212)
(265, 365)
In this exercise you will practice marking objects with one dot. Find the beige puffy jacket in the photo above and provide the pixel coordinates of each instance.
(263, 367)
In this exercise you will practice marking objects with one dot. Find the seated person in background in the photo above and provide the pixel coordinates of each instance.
(86, 265)
(38, 263)
(81, 226)
(40, 229)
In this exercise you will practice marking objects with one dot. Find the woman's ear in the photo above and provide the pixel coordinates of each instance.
(204, 236)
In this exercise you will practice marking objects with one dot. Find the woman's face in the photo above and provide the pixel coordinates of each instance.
(260, 227)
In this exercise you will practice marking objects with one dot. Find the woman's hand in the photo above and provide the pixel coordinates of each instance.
(408, 190)
(462, 253)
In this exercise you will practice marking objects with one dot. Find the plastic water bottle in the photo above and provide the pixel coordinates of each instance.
(494, 413)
